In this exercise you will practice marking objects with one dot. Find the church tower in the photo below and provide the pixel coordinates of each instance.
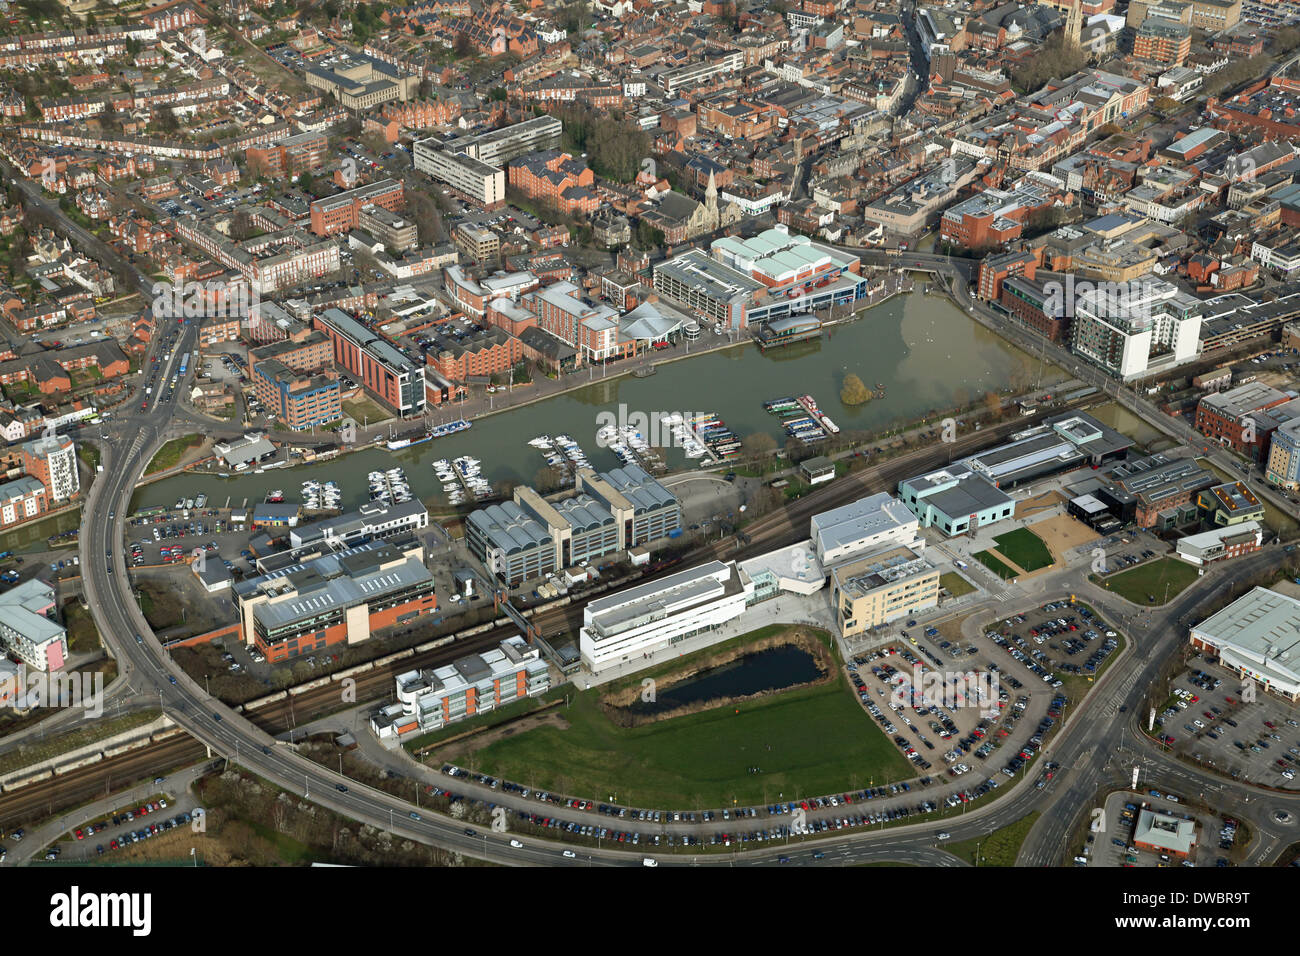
(1074, 25)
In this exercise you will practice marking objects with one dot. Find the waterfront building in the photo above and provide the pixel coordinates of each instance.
(636, 621)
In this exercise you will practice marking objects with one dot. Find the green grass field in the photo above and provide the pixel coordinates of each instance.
(990, 561)
(955, 584)
(810, 741)
(998, 848)
(1024, 548)
(169, 455)
(1162, 580)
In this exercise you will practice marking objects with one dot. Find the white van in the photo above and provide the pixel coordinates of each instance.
(647, 861)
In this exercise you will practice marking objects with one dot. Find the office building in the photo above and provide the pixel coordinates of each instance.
(473, 165)
(299, 153)
(29, 626)
(643, 509)
(1229, 503)
(1155, 491)
(431, 698)
(471, 179)
(297, 399)
(374, 519)
(1059, 444)
(868, 524)
(1258, 636)
(1219, 544)
(512, 543)
(340, 598)
(532, 536)
(622, 627)
(396, 232)
(341, 212)
(883, 585)
(956, 500)
(1233, 418)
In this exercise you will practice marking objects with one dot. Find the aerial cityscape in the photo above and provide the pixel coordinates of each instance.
(574, 433)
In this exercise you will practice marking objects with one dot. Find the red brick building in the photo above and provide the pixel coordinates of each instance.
(557, 179)
(338, 213)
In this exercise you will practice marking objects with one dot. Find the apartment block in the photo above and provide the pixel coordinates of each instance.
(375, 363)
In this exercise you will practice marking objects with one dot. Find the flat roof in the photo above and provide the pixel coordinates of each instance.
(875, 514)
(1264, 626)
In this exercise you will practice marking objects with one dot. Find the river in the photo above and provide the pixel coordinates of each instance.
(926, 352)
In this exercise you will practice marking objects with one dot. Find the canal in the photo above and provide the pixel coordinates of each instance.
(925, 353)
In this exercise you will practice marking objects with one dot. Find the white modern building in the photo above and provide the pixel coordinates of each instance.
(865, 524)
(624, 626)
(1258, 635)
(476, 684)
(53, 459)
(372, 520)
(29, 628)
(1230, 541)
(1135, 328)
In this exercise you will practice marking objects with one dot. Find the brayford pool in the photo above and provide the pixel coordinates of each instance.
(926, 353)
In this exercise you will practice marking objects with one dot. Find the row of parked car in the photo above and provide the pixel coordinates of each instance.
(145, 833)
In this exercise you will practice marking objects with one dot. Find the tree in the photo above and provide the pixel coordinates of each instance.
(497, 94)
(759, 445)
(548, 479)
(854, 391)
(993, 404)
(647, 236)
(1055, 58)
(463, 47)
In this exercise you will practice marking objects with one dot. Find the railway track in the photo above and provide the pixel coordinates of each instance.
(781, 527)
(39, 801)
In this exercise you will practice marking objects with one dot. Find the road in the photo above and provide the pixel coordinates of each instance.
(1083, 747)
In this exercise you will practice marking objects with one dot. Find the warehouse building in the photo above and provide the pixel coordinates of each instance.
(1258, 636)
